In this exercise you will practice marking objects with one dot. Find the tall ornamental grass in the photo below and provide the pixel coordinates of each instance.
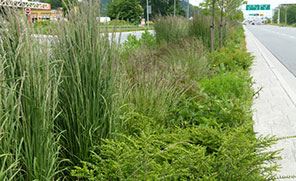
(171, 29)
(200, 27)
(29, 100)
(87, 83)
(9, 110)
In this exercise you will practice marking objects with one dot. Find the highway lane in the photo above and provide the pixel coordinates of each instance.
(281, 42)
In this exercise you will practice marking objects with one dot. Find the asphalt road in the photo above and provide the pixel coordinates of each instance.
(281, 42)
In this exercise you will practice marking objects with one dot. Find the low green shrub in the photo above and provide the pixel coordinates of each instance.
(230, 85)
(197, 153)
(131, 44)
(147, 40)
(117, 22)
(210, 111)
(230, 59)
(225, 102)
(149, 157)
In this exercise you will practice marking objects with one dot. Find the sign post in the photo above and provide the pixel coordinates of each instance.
(148, 12)
(28, 12)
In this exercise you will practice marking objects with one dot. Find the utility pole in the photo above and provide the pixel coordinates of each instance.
(147, 11)
(213, 26)
(174, 7)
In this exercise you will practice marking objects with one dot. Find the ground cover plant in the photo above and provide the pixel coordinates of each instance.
(83, 108)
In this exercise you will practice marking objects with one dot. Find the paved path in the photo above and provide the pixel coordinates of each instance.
(275, 107)
(281, 41)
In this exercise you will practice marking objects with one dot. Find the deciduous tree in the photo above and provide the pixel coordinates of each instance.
(129, 10)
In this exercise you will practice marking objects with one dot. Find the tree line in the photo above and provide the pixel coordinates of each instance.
(132, 10)
(285, 14)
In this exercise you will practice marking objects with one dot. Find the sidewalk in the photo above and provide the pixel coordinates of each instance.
(275, 107)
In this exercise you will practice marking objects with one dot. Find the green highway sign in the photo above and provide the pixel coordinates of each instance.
(252, 7)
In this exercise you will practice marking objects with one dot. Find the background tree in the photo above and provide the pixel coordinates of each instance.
(129, 10)
(231, 8)
(221, 10)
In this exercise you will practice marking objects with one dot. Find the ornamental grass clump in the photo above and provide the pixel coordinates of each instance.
(29, 98)
(87, 83)
(171, 29)
(199, 27)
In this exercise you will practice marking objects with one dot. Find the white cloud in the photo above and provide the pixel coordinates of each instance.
(195, 2)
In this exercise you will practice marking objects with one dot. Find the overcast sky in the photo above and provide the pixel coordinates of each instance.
(195, 2)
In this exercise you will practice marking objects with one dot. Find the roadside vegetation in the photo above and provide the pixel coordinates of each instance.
(185, 113)
(156, 108)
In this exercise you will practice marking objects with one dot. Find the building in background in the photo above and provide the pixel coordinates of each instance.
(45, 15)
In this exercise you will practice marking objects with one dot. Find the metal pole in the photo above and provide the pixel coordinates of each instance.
(188, 9)
(279, 16)
(147, 11)
(213, 26)
(286, 16)
(174, 7)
